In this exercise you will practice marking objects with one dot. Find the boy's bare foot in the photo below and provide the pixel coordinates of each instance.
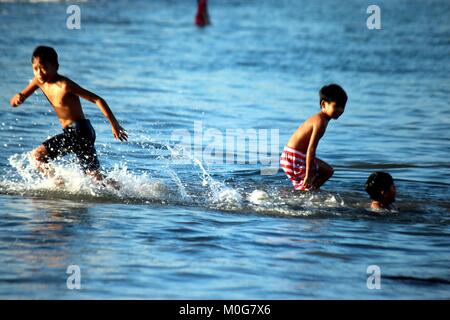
(58, 181)
(112, 183)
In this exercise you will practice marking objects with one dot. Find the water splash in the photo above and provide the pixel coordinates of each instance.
(198, 188)
(77, 185)
(221, 195)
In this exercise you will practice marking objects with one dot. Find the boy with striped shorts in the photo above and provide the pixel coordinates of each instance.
(298, 160)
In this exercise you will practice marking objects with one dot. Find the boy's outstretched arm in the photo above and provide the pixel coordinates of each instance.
(117, 130)
(20, 97)
(317, 132)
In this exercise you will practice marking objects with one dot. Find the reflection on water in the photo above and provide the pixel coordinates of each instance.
(39, 239)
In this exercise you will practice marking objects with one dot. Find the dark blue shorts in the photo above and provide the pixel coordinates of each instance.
(77, 138)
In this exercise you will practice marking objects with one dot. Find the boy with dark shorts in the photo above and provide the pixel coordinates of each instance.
(78, 135)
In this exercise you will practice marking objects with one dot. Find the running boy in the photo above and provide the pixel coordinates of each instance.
(64, 95)
(381, 189)
(298, 160)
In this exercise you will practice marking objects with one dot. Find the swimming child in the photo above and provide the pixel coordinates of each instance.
(78, 135)
(381, 189)
(298, 160)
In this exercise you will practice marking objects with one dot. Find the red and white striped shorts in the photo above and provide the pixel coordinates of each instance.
(293, 163)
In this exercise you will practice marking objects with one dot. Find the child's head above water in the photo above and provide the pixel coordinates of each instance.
(333, 100)
(381, 189)
(45, 63)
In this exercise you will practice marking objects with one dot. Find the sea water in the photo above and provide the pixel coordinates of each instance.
(185, 227)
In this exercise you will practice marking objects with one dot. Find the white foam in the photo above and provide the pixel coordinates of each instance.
(132, 186)
(142, 188)
(220, 195)
(258, 197)
(229, 197)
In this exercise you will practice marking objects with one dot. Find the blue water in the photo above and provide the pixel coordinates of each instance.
(185, 227)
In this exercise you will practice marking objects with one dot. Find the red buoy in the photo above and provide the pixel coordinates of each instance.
(202, 16)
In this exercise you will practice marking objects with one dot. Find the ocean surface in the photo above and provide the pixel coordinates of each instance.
(190, 223)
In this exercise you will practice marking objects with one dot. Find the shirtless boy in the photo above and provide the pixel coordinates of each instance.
(298, 160)
(78, 134)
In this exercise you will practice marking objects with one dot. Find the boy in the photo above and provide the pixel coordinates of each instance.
(298, 160)
(381, 189)
(78, 135)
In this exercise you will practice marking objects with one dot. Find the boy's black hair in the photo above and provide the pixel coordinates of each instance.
(333, 93)
(46, 54)
(377, 182)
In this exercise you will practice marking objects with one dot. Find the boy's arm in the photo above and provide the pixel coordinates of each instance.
(118, 131)
(20, 97)
(318, 129)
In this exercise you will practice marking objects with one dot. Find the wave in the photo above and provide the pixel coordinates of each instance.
(198, 189)
(373, 166)
(176, 178)
(418, 280)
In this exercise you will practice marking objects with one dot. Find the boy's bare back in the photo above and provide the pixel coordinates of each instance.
(298, 158)
(314, 127)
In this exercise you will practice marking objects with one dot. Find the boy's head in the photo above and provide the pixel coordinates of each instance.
(333, 100)
(45, 63)
(380, 187)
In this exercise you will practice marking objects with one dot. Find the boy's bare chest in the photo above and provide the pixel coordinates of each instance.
(57, 97)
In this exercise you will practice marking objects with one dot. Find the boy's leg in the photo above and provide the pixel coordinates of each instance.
(91, 166)
(95, 175)
(41, 157)
(100, 177)
(325, 172)
(84, 148)
(51, 149)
